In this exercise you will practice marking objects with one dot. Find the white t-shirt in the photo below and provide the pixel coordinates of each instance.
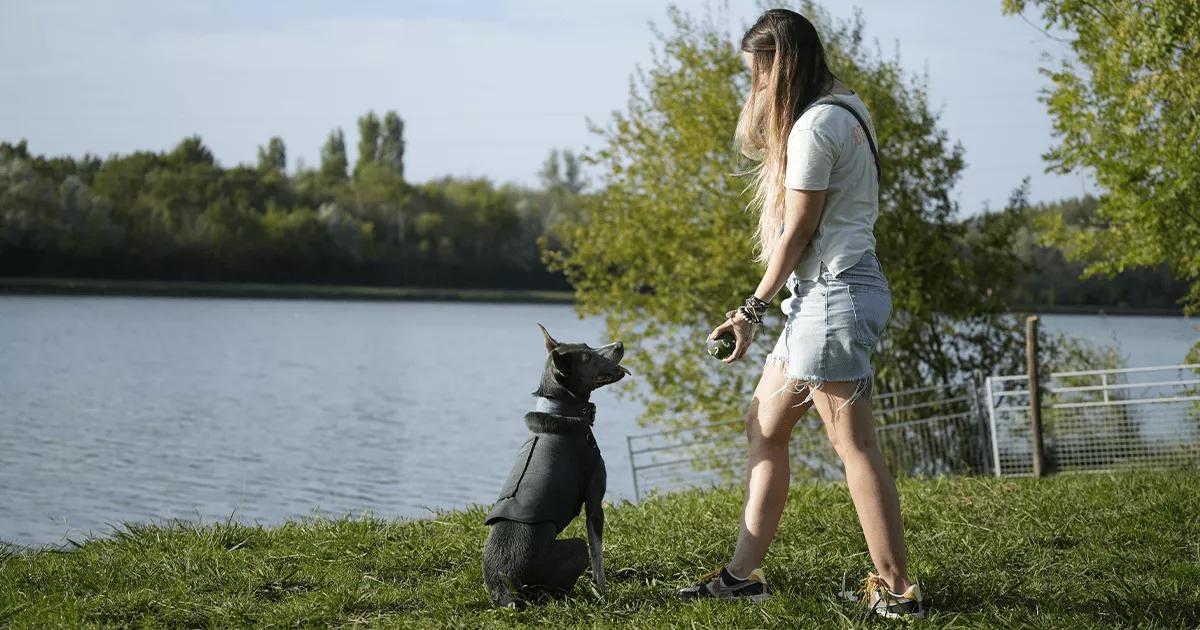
(827, 151)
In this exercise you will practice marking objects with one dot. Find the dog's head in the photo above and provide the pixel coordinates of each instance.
(581, 368)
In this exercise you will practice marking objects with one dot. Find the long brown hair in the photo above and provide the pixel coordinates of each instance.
(788, 72)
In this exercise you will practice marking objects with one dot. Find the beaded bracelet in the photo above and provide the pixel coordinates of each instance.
(752, 316)
(756, 304)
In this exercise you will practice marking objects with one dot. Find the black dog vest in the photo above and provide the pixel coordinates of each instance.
(549, 480)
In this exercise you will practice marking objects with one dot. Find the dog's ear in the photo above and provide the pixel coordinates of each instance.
(550, 342)
(559, 359)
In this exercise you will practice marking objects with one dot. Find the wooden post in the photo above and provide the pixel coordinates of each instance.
(1035, 392)
(637, 496)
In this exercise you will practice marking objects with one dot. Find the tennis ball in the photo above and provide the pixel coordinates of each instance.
(723, 345)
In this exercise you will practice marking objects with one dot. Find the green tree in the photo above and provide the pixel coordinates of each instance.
(381, 196)
(1127, 108)
(368, 141)
(391, 144)
(333, 158)
(180, 189)
(29, 203)
(557, 201)
(1055, 281)
(663, 248)
(273, 157)
(87, 226)
(477, 217)
(561, 170)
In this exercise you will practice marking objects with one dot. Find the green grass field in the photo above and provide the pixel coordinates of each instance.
(1073, 551)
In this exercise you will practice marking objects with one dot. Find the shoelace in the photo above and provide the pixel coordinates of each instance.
(875, 584)
(710, 575)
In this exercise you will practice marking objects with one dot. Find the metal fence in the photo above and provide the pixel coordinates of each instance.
(1098, 419)
(925, 431)
(1091, 420)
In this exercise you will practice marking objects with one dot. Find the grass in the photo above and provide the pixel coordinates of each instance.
(1072, 551)
(91, 286)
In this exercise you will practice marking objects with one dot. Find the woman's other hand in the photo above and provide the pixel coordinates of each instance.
(743, 334)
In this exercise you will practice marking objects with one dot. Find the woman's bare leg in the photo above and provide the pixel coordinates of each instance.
(852, 431)
(769, 423)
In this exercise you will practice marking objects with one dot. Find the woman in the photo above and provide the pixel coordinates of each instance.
(816, 184)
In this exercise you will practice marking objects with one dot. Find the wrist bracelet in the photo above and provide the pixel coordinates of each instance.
(750, 315)
(758, 306)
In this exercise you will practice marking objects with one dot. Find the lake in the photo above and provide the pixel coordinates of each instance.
(141, 409)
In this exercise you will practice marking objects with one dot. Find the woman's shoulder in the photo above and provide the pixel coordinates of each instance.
(829, 118)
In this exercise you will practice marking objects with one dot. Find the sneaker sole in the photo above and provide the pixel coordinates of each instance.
(853, 597)
(754, 598)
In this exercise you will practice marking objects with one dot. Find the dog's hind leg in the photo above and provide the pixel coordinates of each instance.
(506, 559)
(560, 566)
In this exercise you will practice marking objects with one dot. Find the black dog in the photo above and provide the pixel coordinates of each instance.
(558, 469)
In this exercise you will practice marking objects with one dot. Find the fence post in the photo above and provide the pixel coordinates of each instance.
(637, 496)
(977, 420)
(1035, 394)
(991, 408)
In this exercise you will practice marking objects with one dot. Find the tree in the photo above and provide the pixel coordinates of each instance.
(381, 196)
(561, 170)
(663, 248)
(1055, 281)
(557, 201)
(391, 145)
(333, 157)
(180, 189)
(368, 141)
(179, 215)
(273, 157)
(476, 217)
(1127, 107)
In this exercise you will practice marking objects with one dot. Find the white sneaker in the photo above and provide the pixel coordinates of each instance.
(720, 583)
(878, 597)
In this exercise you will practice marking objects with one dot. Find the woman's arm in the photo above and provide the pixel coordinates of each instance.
(801, 214)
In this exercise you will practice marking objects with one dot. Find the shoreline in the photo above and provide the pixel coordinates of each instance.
(1063, 309)
(239, 290)
(253, 290)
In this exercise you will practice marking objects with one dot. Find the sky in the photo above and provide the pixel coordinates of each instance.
(486, 88)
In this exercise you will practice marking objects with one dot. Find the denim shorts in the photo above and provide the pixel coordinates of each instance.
(832, 325)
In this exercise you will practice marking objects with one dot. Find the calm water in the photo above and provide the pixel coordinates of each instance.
(118, 409)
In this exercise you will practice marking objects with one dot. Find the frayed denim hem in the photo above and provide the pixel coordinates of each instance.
(862, 386)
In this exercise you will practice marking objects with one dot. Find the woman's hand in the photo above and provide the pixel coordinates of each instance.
(743, 334)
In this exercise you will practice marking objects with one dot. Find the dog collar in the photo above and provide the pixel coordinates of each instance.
(571, 409)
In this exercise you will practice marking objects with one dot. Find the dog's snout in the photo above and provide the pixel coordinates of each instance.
(613, 351)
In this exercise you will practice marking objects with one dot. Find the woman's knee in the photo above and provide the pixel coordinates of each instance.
(766, 427)
(852, 443)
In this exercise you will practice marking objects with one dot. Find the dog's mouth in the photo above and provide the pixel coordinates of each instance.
(614, 376)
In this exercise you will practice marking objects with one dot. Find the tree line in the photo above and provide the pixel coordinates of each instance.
(1055, 279)
(179, 215)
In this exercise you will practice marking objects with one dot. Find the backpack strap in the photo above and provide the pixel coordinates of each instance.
(866, 130)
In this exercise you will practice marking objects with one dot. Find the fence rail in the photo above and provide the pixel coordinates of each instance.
(1099, 419)
(1092, 420)
(925, 431)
